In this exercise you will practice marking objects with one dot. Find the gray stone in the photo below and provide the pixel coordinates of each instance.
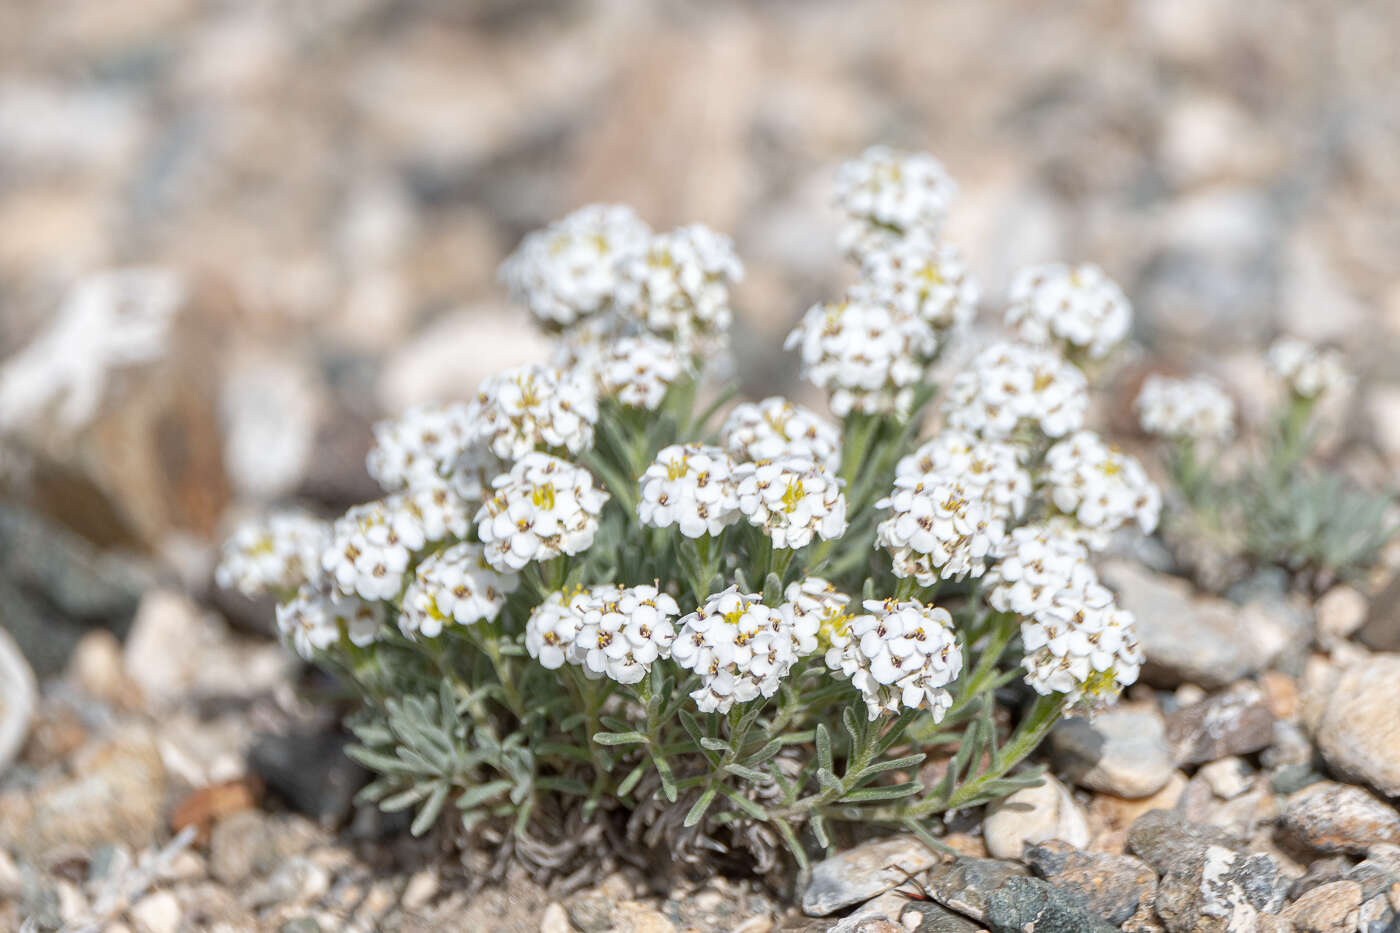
(1185, 639)
(1233, 723)
(1119, 751)
(859, 874)
(1224, 890)
(1377, 915)
(19, 695)
(1381, 629)
(310, 771)
(966, 884)
(1113, 886)
(1162, 839)
(1359, 730)
(1034, 814)
(933, 917)
(1333, 817)
(238, 844)
(1031, 904)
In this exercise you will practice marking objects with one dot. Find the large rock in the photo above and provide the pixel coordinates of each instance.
(1334, 907)
(1221, 892)
(1209, 642)
(1334, 817)
(1359, 729)
(19, 695)
(859, 874)
(1034, 814)
(966, 885)
(1164, 840)
(1121, 751)
(1031, 904)
(1114, 887)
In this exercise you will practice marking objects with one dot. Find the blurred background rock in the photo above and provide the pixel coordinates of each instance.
(335, 183)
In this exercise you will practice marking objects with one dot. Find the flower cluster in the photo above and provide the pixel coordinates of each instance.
(274, 554)
(937, 528)
(867, 356)
(1101, 487)
(1194, 409)
(609, 631)
(1309, 372)
(317, 617)
(1008, 385)
(741, 649)
(988, 470)
(817, 614)
(426, 445)
(791, 499)
(534, 407)
(372, 544)
(568, 271)
(1077, 641)
(888, 194)
(678, 286)
(691, 486)
(776, 427)
(922, 278)
(543, 508)
(1078, 306)
(908, 655)
(454, 585)
(637, 371)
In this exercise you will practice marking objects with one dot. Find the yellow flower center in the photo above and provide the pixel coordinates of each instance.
(792, 495)
(543, 497)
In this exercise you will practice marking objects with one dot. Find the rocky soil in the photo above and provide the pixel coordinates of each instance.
(335, 183)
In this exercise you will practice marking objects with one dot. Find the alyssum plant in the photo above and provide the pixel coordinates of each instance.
(584, 602)
(1273, 506)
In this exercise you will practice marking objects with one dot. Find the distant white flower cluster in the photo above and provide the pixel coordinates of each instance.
(1077, 307)
(277, 553)
(1194, 409)
(922, 278)
(637, 371)
(568, 271)
(534, 407)
(454, 586)
(888, 194)
(424, 445)
(1308, 371)
(372, 544)
(775, 428)
(678, 286)
(318, 617)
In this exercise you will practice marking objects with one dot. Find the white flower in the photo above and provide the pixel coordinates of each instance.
(1193, 409)
(741, 649)
(1076, 305)
(624, 630)
(453, 585)
(567, 271)
(921, 278)
(1100, 486)
(791, 499)
(691, 486)
(776, 427)
(816, 614)
(678, 286)
(278, 552)
(372, 544)
(987, 470)
(889, 194)
(937, 528)
(866, 356)
(532, 407)
(1081, 644)
(907, 656)
(551, 631)
(637, 371)
(427, 445)
(1034, 563)
(543, 508)
(1307, 370)
(318, 617)
(1008, 384)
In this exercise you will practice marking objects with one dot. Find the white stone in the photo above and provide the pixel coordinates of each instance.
(19, 695)
(158, 912)
(1034, 814)
(1340, 612)
(555, 919)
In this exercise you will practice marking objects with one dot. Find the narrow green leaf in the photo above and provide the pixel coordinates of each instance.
(473, 797)
(824, 759)
(431, 809)
(893, 764)
(563, 785)
(630, 782)
(667, 776)
(790, 837)
(818, 824)
(828, 781)
(743, 803)
(713, 745)
(889, 792)
(697, 810)
(748, 774)
(620, 738)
